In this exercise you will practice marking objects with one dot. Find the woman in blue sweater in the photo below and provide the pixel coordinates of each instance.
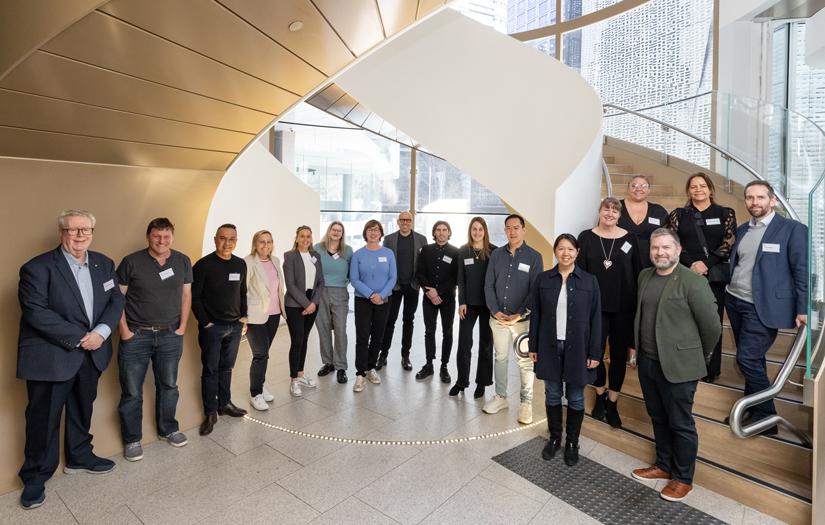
(373, 275)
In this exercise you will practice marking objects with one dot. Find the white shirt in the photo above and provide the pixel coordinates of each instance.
(561, 313)
(309, 269)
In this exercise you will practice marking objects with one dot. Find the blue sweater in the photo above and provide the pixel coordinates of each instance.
(336, 270)
(373, 271)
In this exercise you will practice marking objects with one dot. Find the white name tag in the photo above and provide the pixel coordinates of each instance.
(234, 277)
(382, 259)
(108, 285)
(468, 262)
(523, 267)
(167, 273)
(626, 247)
(654, 220)
(336, 256)
(713, 222)
(447, 259)
(770, 247)
(313, 259)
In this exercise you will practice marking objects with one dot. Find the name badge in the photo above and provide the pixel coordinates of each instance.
(713, 222)
(626, 247)
(523, 267)
(447, 259)
(468, 262)
(336, 256)
(382, 259)
(167, 273)
(654, 220)
(108, 285)
(313, 259)
(234, 277)
(770, 247)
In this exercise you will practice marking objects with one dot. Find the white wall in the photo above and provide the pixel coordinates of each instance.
(815, 40)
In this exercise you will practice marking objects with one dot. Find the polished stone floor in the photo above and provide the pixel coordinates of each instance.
(247, 473)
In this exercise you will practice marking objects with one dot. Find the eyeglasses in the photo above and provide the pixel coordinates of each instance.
(374, 229)
(77, 232)
(404, 220)
(642, 186)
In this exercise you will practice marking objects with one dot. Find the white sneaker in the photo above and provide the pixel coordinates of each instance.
(494, 405)
(307, 382)
(525, 413)
(258, 403)
(268, 397)
(360, 383)
(295, 388)
(373, 378)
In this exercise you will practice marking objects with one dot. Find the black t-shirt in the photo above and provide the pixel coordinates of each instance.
(405, 254)
(656, 217)
(219, 289)
(617, 281)
(647, 321)
(155, 291)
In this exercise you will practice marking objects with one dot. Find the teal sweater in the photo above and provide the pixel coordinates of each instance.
(336, 270)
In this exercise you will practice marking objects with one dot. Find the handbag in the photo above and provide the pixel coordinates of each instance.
(720, 272)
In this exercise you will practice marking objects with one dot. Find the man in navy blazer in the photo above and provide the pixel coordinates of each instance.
(70, 304)
(768, 288)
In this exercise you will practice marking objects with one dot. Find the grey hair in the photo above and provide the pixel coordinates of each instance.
(61, 219)
(661, 232)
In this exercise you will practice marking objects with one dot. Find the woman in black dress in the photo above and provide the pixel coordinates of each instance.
(641, 217)
(612, 255)
(702, 217)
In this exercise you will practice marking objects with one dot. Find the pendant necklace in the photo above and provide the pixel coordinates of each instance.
(477, 253)
(607, 262)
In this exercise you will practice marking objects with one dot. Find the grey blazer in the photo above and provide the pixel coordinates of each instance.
(419, 241)
(295, 280)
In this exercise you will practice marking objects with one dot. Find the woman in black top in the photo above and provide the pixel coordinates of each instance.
(641, 217)
(565, 342)
(612, 255)
(472, 268)
(718, 226)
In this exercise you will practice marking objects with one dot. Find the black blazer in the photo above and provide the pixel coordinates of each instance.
(584, 327)
(54, 318)
(295, 280)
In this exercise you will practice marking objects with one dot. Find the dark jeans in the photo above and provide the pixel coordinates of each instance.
(670, 407)
(260, 338)
(753, 340)
(299, 327)
(555, 390)
(370, 322)
(46, 402)
(431, 311)
(484, 368)
(617, 328)
(164, 350)
(715, 366)
(410, 298)
(219, 349)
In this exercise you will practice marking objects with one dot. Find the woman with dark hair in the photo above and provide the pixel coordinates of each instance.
(708, 232)
(641, 217)
(472, 268)
(372, 274)
(612, 255)
(565, 342)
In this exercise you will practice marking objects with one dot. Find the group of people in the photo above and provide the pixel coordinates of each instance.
(616, 286)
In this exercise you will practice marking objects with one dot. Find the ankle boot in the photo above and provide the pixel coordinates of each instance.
(554, 425)
(611, 412)
(599, 407)
(574, 426)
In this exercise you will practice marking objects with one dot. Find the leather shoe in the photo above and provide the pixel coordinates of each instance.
(571, 453)
(675, 490)
(32, 496)
(479, 392)
(648, 473)
(405, 363)
(445, 375)
(231, 410)
(382, 361)
(550, 449)
(208, 424)
(325, 370)
(342, 376)
(455, 390)
(425, 372)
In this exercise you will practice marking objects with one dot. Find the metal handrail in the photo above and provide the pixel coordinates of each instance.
(606, 174)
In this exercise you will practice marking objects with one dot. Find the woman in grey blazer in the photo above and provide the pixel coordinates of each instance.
(304, 284)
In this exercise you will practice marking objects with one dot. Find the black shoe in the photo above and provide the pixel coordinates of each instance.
(611, 412)
(571, 453)
(325, 370)
(96, 465)
(425, 372)
(770, 431)
(549, 451)
(382, 361)
(231, 410)
(710, 379)
(479, 392)
(208, 424)
(32, 496)
(455, 390)
(405, 363)
(342, 376)
(445, 375)
(599, 408)
(746, 418)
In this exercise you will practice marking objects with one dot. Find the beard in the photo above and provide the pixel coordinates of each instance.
(665, 264)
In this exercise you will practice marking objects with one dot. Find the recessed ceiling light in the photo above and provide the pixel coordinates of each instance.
(296, 26)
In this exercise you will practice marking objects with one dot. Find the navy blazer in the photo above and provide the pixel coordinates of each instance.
(584, 327)
(54, 318)
(780, 280)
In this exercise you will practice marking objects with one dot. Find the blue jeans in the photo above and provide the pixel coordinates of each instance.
(219, 349)
(553, 392)
(164, 350)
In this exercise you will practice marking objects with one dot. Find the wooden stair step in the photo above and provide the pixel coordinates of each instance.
(732, 377)
(619, 168)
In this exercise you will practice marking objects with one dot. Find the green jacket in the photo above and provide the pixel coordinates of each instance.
(687, 325)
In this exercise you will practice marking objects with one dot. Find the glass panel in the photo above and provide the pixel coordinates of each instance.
(545, 45)
(816, 265)
(441, 187)
(521, 16)
(571, 49)
(575, 8)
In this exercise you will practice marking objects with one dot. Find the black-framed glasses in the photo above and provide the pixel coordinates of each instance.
(76, 232)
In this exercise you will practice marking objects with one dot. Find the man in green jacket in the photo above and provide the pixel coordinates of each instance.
(676, 330)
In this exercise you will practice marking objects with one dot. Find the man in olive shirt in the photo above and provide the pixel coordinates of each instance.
(676, 331)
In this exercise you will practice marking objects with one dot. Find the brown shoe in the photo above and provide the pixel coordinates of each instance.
(675, 490)
(208, 424)
(649, 473)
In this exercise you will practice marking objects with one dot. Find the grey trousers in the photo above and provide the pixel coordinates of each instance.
(332, 317)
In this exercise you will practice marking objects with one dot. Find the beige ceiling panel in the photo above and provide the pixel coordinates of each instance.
(327, 97)
(425, 7)
(211, 29)
(25, 25)
(316, 42)
(397, 14)
(36, 112)
(57, 146)
(104, 41)
(357, 21)
(342, 106)
(358, 115)
(53, 76)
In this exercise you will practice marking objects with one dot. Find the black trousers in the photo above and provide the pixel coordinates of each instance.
(299, 327)
(484, 368)
(670, 407)
(46, 402)
(617, 328)
(715, 366)
(431, 312)
(370, 322)
(410, 298)
(260, 338)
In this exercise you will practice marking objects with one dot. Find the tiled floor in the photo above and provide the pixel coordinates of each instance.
(247, 473)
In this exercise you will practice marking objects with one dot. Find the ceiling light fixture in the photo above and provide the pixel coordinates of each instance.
(296, 26)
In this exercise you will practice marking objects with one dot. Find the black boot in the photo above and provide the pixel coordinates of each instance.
(611, 412)
(599, 408)
(382, 361)
(574, 426)
(554, 420)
